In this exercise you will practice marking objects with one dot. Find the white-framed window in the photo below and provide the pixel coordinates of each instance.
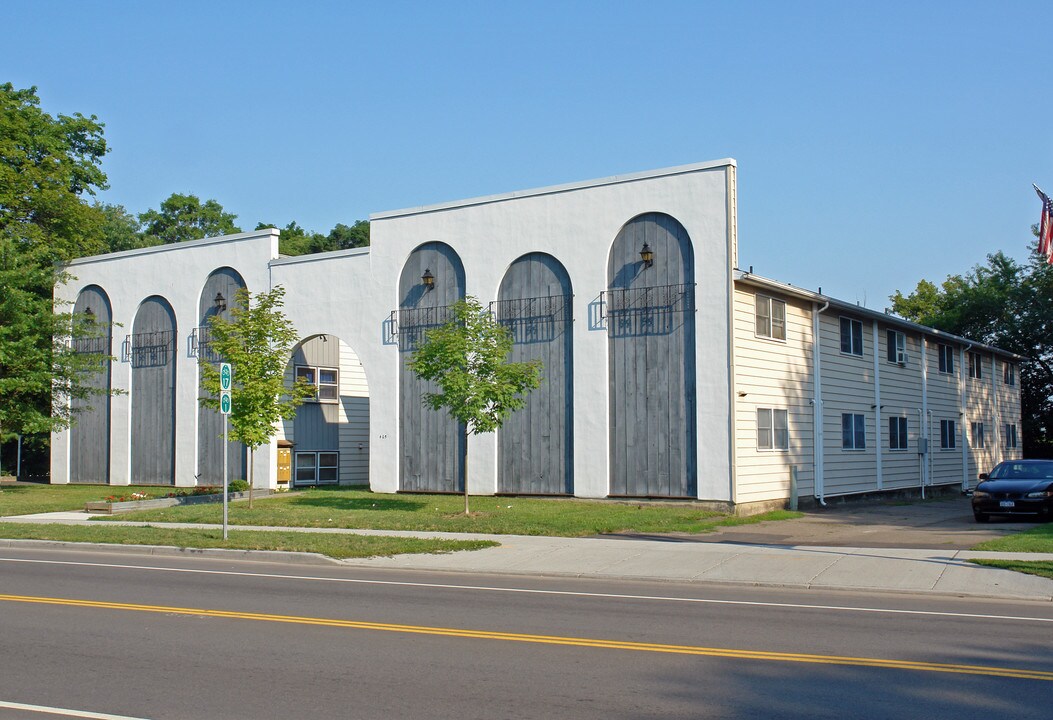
(770, 318)
(897, 433)
(897, 347)
(1010, 435)
(948, 435)
(326, 381)
(773, 431)
(946, 353)
(853, 431)
(851, 336)
(977, 434)
(975, 365)
(1009, 373)
(317, 468)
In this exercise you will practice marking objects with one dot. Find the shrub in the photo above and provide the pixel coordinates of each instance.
(238, 486)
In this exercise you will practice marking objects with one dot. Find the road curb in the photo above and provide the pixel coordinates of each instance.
(272, 556)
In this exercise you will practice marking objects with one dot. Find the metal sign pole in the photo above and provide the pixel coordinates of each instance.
(226, 482)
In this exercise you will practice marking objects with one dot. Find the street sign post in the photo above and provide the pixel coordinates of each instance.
(225, 376)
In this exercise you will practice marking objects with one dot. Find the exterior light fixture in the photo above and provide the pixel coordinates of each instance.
(89, 313)
(220, 302)
(428, 279)
(647, 255)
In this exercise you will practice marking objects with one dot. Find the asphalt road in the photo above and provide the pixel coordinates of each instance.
(151, 637)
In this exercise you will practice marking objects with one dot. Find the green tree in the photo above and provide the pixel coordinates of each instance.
(1008, 305)
(185, 217)
(467, 359)
(120, 230)
(48, 165)
(257, 341)
(294, 240)
(344, 237)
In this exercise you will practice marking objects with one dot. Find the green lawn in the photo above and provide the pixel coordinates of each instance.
(28, 498)
(1036, 540)
(331, 544)
(359, 508)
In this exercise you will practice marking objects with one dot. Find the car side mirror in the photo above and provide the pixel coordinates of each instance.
(983, 476)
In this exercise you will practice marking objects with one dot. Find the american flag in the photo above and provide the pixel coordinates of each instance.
(1045, 226)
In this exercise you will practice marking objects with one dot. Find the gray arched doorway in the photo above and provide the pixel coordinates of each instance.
(90, 434)
(431, 444)
(151, 348)
(217, 299)
(651, 338)
(536, 443)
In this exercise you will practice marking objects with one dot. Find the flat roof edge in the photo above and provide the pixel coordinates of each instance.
(554, 189)
(315, 257)
(218, 240)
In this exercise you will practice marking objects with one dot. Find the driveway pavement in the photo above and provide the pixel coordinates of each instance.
(941, 524)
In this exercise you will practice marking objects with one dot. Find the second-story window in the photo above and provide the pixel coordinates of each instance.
(326, 381)
(897, 347)
(1009, 373)
(851, 336)
(771, 318)
(946, 353)
(975, 365)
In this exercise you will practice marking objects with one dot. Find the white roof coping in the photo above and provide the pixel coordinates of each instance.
(553, 189)
(265, 232)
(315, 257)
(895, 320)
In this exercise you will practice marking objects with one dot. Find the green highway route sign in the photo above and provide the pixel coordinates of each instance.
(224, 385)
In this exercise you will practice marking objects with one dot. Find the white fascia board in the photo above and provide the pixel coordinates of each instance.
(555, 189)
(793, 291)
(169, 247)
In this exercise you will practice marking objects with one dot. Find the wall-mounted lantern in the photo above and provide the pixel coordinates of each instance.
(89, 313)
(428, 279)
(220, 302)
(647, 255)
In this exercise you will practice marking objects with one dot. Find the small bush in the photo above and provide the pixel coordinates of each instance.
(238, 485)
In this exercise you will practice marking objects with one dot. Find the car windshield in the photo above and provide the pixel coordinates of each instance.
(1022, 471)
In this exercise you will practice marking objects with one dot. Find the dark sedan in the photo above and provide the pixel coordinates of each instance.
(1015, 487)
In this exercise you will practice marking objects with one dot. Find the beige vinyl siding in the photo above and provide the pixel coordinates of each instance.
(944, 396)
(848, 387)
(900, 397)
(1007, 404)
(979, 407)
(773, 374)
(354, 419)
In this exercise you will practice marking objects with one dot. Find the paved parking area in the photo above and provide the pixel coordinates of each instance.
(944, 523)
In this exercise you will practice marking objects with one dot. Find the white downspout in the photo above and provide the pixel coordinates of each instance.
(877, 406)
(817, 406)
(923, 437)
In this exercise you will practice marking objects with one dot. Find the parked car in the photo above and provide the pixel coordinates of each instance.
(1015, 487)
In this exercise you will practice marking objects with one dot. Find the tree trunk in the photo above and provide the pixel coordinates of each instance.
(464, 472)
(252, 473)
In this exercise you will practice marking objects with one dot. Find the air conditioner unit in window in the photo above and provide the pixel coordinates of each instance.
(902, 357)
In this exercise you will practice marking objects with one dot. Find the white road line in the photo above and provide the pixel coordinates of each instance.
(532, 591)
(65, 711)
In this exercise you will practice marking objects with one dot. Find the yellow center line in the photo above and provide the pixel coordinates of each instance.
(553, 639)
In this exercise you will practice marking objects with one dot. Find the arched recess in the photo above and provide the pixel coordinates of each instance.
(431, 444)
(330, 433)
(90, 434)
(651, 338)
(535, 444)
(151, 348)
(217, 299)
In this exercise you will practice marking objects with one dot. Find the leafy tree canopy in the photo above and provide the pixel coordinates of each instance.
(185, 217)
(1008, 305)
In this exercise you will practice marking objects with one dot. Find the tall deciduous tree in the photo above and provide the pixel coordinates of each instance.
(1008, 305)
(467, 359)
(48, 165)
(185, 217)
(257, 341)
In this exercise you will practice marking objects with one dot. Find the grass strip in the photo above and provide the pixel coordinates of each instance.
(335, 545)
(345, 507)
(1037, 539)
(29, 498)
(1042, 568)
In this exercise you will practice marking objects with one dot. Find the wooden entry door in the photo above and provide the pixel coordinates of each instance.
(284, 465)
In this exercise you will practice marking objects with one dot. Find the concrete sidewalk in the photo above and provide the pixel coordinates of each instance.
(945, 572)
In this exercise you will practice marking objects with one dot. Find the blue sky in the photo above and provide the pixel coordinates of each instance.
(877, 143)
